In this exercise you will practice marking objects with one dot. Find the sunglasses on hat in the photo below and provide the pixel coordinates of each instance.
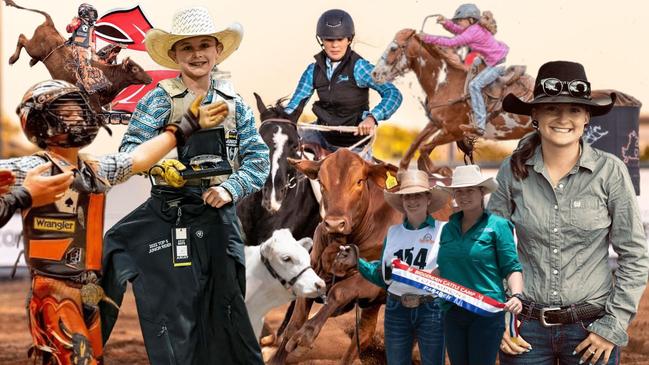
(553, 87)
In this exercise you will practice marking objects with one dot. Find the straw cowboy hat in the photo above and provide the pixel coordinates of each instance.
(559, 82)
(187, 23)
(469, 176)
(411, 182)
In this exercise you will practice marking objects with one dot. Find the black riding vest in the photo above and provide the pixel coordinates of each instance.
(81, 35)
(64, 239)
(341, 102)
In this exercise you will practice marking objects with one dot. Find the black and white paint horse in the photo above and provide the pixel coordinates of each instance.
(286, 200)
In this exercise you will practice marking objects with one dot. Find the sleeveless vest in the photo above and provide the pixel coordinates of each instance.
(222, 90)
(341, 102)
(65, 238)
(81, 35)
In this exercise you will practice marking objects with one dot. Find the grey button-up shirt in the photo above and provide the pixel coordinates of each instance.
(564, 233)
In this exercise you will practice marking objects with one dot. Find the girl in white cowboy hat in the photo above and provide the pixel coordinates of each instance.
(477, 250)
(569, 202)
(411, 313)
(217, 328)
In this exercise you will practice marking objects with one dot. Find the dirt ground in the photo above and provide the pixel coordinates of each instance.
(126, 345)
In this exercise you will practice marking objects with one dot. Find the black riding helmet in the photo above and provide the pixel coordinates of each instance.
(335, 24)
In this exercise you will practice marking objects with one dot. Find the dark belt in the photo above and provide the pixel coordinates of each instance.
(556, 316)
(412, 300)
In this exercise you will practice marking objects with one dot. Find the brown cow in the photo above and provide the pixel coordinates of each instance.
(47, 45)
(355, 212)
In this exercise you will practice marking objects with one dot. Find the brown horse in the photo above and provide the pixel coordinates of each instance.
(48, 46)
(442, 75)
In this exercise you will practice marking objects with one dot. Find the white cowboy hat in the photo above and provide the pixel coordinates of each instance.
(187, 23)
(468, 176)
(411, 182)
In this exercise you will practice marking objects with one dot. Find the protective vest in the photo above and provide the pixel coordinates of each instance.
(222, 90)
(341, 102)
(81, 35)
(64, 239)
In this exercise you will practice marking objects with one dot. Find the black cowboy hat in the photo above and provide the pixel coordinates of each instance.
(559, 82)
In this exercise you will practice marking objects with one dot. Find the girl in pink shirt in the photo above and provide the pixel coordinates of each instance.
(469, 32)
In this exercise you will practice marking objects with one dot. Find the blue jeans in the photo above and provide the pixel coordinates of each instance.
(552, 345)
(488, 75)
(314, 136)
(472, 339)
(402, 325)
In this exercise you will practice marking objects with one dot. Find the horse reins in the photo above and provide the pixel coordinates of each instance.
(356, 306)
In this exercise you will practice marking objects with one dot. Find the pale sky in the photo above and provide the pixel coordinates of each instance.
(607, 37)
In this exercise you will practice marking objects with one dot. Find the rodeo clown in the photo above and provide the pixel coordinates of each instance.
(63, 240)
(182, 249)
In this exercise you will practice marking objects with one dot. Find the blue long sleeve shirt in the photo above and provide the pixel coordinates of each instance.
(390, 96)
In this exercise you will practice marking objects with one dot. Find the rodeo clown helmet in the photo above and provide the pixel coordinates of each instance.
(56, 113)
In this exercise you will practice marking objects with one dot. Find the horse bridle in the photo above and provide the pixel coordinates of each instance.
(287, 284)
(293, 180)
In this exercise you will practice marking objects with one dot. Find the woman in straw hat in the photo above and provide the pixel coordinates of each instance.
(411, 313)
(477, 250)
(191, 296)
(569, 202)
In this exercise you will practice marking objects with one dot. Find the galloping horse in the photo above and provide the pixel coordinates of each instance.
(286, 200)
(442, 76)
(48, 46)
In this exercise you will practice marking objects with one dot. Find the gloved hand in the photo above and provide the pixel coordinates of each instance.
(170, 170)
(197, 117)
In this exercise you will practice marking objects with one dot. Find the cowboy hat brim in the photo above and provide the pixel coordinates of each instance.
(513, 104)
(489, 184)
(437, 201)
(158, 43)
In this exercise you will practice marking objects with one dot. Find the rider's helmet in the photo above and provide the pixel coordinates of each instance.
(467, 11)
(88, 13)
(56, 113)
(335, 24)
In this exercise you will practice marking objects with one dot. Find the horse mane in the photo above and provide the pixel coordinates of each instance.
(447, 54)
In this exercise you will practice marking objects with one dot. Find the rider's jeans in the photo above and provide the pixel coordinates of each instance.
(553, 345)
(403, 325)
(473, 339)
(484, 78)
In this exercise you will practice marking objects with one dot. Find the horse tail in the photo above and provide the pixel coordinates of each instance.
(48, 19)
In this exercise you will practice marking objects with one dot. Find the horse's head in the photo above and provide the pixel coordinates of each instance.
(394, 61)
(279, 131)
(348, 185)
(408, 52)
(290, 260)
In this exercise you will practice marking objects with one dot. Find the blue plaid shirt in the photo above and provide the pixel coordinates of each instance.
(115, 167)
(152, 113)
(390, 96)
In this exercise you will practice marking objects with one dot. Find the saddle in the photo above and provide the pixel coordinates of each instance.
(513, 81)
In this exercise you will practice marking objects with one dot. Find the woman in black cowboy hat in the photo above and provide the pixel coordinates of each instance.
(569, 202)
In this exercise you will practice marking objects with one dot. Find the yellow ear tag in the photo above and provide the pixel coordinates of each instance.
(390, 181)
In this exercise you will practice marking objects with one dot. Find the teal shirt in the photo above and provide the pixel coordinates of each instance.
(372, 270)
(482, 257)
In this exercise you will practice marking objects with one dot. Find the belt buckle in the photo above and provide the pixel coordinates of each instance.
(542, 316)
(410, 300)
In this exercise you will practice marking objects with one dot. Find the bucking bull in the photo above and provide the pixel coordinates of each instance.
(48, 46)
(355, 213)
